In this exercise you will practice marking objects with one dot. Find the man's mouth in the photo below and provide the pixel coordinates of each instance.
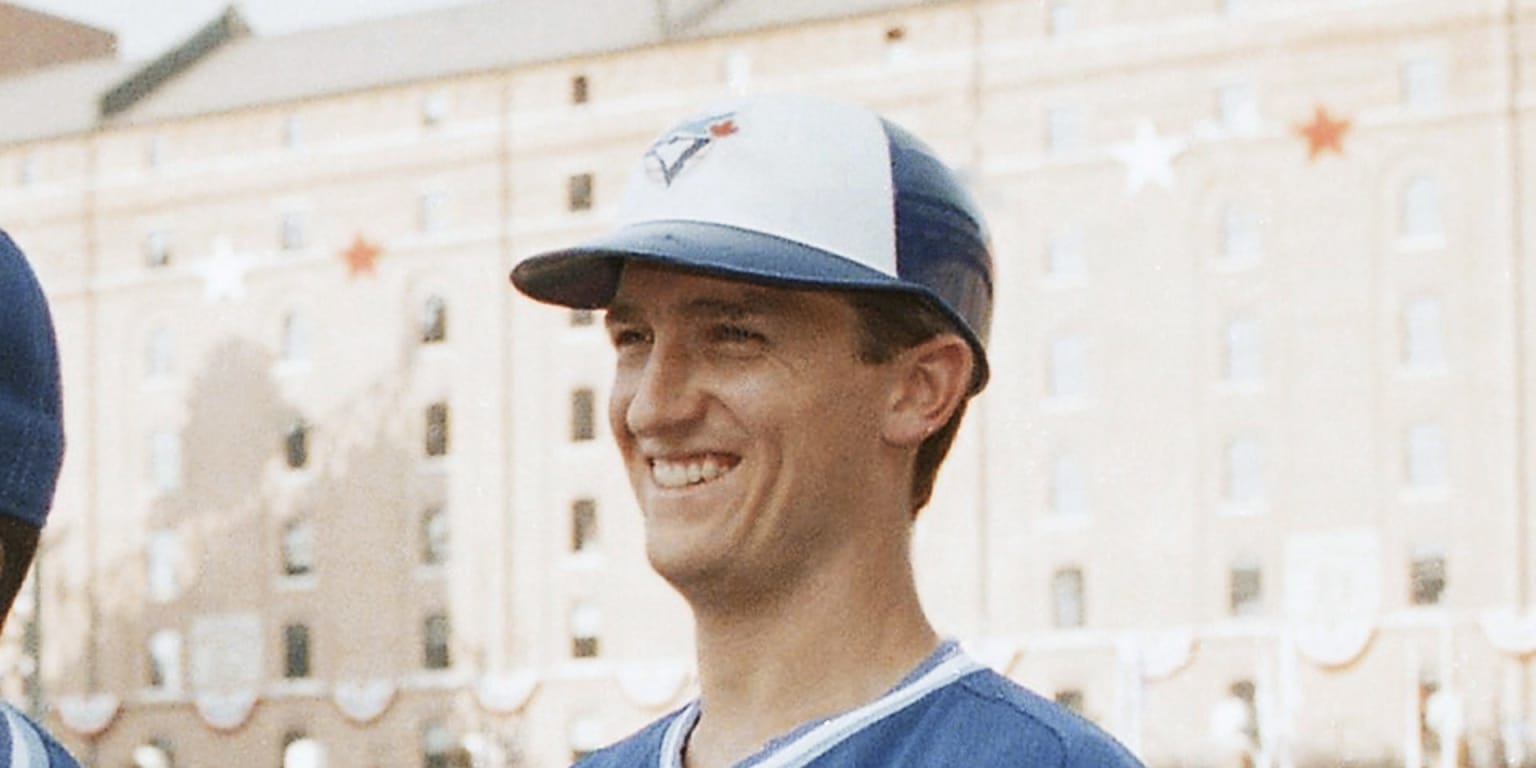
(683, 471)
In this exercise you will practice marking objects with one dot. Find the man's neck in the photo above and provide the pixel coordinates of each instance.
(828, 646)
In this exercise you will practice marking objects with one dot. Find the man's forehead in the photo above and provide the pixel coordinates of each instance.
(644, 289)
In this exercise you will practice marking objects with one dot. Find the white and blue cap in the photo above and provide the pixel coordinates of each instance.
(797, 192)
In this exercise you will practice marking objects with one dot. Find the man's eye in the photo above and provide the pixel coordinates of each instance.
(625, 337)
(735, 334)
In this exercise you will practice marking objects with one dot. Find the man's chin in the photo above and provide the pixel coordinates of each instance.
(696, 574)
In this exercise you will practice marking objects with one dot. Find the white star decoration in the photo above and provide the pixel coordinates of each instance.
(1149, 157)
(224, 273)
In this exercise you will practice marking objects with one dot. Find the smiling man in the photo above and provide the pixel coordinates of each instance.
(799, 294)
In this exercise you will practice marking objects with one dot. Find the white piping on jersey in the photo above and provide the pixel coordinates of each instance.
(27, 749)
(818, 741)
(672, 742)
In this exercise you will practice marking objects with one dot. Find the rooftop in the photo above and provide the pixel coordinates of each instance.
(212, 73)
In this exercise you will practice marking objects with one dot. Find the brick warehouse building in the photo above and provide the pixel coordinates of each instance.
(1252, 480)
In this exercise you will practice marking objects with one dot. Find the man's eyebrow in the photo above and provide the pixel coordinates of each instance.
(747, 305)
(620, 313)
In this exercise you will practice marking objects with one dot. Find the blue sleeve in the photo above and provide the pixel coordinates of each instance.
(23, 740)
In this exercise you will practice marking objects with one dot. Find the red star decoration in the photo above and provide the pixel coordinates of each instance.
(1324, 133)
(360, 256)
(723, 128)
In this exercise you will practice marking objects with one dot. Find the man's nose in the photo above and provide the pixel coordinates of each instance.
(665, 393)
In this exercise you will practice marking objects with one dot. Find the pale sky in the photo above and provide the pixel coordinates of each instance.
(146, 28)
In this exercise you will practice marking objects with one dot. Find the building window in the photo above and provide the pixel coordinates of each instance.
(738, 70)
(434, 108)
(434, 646)
(295, 338)
(581, 318)
(1060, 20)
(1069, 488)
(1423, 336)
(1421, 210)
(302, 751)
(165, 660)
(437, 429)
(897, 49)
(1426, 577)
(1068, 361)
(27, 172)
(163, 566)
(1070, 699)
(1423, 84)
(1067, 610)
(1238, 717)
(165, 461)
(1427, 458)
(158, 752)
(431, 211)
(157, 249)
(1244, 352)
(586, 627)
(1240, 242)
(1237, 108)
(298, 546)
(434, 536)
(583, 415)
(293, 232)
(1064, 254)
(434, 320)
(579, 192)
(296, 445)
(296, 651)
(1245, 471)
(293, 131)
(583, 525)
(436, 745)
(160, 353)
(580, 89)
(1063, 128)
(1429, 736)
(1245, 589)
(154, 151)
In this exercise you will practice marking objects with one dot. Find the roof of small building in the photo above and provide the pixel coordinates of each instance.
(58, 100)
(245, 71)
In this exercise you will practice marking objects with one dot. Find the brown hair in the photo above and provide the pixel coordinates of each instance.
(890, 323)
(18, 544)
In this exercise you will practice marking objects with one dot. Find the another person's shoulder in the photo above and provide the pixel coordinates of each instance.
(997, 722)
(24, 744)
(640, 750)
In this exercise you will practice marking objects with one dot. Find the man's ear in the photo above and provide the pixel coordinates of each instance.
(931, 380)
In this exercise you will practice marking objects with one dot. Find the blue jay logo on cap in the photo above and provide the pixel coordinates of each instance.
(676, 148)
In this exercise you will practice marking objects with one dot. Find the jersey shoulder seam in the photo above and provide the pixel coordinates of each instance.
(970, 684)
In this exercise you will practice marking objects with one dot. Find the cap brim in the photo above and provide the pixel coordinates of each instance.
(587, 275)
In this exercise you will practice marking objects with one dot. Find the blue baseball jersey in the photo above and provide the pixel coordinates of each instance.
(23, 744)
(950, 711)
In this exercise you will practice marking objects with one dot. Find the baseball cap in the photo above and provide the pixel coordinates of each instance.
(794, 191)
(31, 413)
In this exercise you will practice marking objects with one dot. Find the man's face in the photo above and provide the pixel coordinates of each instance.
(747, 423)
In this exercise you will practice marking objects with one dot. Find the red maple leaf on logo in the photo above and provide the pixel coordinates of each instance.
(722, 128)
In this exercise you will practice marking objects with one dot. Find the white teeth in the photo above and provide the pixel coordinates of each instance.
(679, 474)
